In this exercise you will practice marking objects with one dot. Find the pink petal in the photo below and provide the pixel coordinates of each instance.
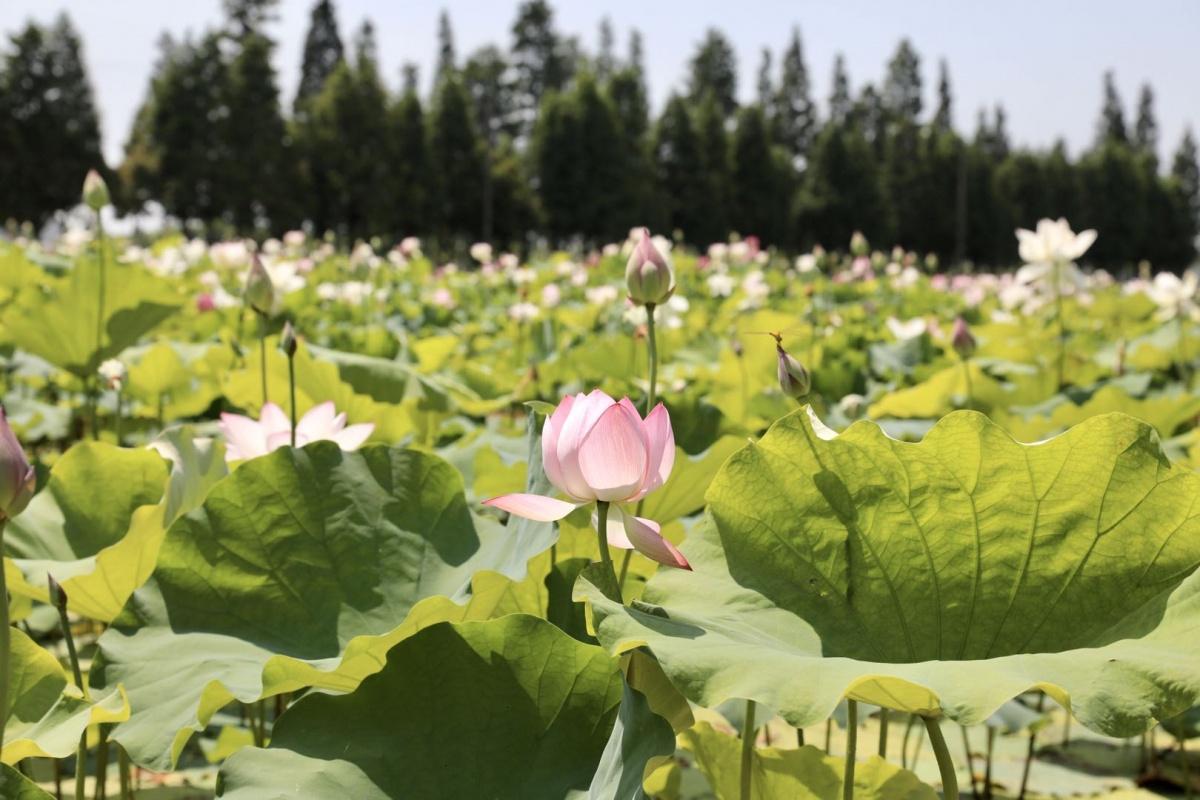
(550, 434)
(648, 540)
(613, 457)
(532, 506)
(615, 528)
(661, 437)
(244, 437)
(585, 412)
(273, 419)
(318, 422)
(284, 439)
(353, 437)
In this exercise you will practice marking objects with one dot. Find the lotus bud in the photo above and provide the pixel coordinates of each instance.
(859, 245)
(794, 379)
(648, 276)
(95, 191)
(58, 595)
(113, 373)
(287, 340)
(963, 341)
(17, 478)
(260, 292)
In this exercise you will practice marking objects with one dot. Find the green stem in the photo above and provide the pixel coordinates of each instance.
(81, 766)
(126, 776)
(652, 351)
(883, 732)
(602, 541)
(100, 791)
(117, 423)
(942, 753)
(970, 760)
(262, 350)
(100, 303)
(625, 559)
(748, 731)
(908, 726)
(966, 370)
(987, 770)
(1029, 751)
(5, 640)
(828, 735)
(851, 749)
(1062, 325)
(800, 737)
(292, 393)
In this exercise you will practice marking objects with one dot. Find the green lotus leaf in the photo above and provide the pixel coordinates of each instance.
(1165, 411)
(46, 714)
(81, 509)
(62, 328)
(943, 577)
(15, 786)
(509, 708)
(806, 773)
(97, 496)
(640, 741)
(301, 568)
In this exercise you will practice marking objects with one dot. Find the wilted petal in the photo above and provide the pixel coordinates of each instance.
(647, 539)
(613, 457)
(532, 506)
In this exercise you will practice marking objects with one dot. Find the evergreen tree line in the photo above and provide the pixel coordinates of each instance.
(548, 140)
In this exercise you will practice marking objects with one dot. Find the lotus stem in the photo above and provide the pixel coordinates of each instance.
(291, 392)
(120, 411)
(100, 791)
(987, 770)
(602, 543)
(1187, 768)
(748, 731)
(966, 370)
(851, 749)
(828, 735)
(1041, 703)
(652, 354)
(100, 303)
(81, 766)
(908, 726)
(917, 750)
(799, 737)
(262, 351)
(970, 760)
(126, 776)
(942, 753)
(1062, 324)
(1066, 740)
(883, 732)
(5, 640)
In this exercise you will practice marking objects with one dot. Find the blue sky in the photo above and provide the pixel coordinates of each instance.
(1043, 60)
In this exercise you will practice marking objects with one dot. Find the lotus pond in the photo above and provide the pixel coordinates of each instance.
(288, 520)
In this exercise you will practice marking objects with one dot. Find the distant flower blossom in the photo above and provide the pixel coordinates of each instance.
(249, 438)
(523, 312)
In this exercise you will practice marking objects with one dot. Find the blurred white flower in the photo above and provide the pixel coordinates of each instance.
(908, 329)
(443, 298)
(806, 263)
(410, 246)
(523, 276)
(551, 295)
(272, 246)
(230, 255)
(481, 252)
(602, 295)
(508, 261)
(113, 373)
(523, 312)
(294, 240)
(720, 284)
(1052, 242)
(1175, 296)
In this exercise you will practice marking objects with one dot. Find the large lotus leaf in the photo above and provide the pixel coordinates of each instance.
(76, 528)
(943, 577)
(942, 392)
(62, 328)
(46, 715)
(15, 786)
(509, 708)
(806, 773)
(98, 586)
(302, 568)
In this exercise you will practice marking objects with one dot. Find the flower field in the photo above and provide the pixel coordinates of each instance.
(291, 520)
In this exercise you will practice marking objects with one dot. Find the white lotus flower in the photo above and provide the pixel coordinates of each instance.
(908, 329)
(249, 438)
(1175, 297)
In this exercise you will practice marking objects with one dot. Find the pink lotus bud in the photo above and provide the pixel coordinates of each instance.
(95, 191)
(794, 379)
(17, 478)
(205, 302)
(962, 340)
(597, 449)
(260, 292)
(648, 276)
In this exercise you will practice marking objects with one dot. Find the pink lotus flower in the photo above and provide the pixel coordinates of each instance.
(17, 478)
(595, 449)
(249, 438)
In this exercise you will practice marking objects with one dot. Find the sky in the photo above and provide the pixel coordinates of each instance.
(1043, 59)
